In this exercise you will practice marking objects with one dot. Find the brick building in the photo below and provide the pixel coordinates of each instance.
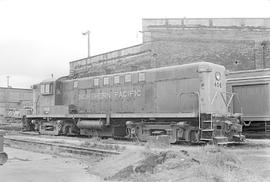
(13, 100)
(236, 43)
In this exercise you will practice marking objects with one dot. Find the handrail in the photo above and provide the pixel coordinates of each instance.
(224, 99)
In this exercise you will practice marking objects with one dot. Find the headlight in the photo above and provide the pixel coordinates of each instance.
(218, 76)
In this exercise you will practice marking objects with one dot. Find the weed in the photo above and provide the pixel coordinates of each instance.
(219, 164)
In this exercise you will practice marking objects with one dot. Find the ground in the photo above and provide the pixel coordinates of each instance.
(149, 162)
(248, 162)
(25, 166)
(255, 156)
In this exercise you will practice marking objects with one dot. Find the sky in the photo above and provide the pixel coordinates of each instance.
(40, 37)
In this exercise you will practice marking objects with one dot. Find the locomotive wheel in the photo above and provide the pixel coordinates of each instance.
(194, 136)
(3, 158)
(67, 129)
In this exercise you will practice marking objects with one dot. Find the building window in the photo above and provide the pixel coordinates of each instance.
(116, 80)
(75, 84)
(106, 81)
(128, 78)
(141, 77)
(96, 82)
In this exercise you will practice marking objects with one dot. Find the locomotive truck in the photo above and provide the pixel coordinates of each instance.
(185, 102)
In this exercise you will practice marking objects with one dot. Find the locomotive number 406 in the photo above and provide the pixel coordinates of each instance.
(218, 84)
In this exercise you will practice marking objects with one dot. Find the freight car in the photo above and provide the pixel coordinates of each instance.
(253, 90)
(185, 102)
(3, 155)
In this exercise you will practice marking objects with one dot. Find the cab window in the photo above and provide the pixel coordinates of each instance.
(46, 88)
(42, 88)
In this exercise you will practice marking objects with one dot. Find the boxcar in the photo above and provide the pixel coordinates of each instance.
(185, 102)
(253, 90)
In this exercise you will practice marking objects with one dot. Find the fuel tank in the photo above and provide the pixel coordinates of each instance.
(91, 124)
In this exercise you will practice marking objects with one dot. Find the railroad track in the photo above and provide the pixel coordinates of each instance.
(55, 148)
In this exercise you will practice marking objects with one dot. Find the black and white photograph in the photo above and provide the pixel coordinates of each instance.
(134, 91)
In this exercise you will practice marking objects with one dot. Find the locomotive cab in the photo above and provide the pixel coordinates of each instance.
(48, 97)
(49, 113)
(47, 87)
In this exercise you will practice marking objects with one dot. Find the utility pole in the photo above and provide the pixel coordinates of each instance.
(7, 99)
(88, 34)
(8, 81)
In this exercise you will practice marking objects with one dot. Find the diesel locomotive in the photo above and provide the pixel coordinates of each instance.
(185, 102)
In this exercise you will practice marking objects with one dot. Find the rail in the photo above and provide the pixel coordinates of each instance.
(12, 142)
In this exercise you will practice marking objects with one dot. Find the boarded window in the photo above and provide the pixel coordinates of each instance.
(116, 80)
(141, 77)
(105, 81)
(127, 78)
(96, 82)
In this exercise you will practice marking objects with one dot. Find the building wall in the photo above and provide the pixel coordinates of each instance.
(233, 54)
(129, 58)
(227, 28)
(14, 99)
(236, 43)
